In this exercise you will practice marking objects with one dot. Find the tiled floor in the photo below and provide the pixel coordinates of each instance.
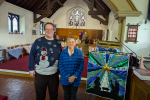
(22, 88)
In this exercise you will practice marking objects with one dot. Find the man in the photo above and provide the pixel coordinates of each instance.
(46, 50)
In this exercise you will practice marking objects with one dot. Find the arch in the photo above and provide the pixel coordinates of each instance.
(76, 17)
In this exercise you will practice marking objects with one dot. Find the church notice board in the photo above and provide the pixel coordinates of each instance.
(107, 75)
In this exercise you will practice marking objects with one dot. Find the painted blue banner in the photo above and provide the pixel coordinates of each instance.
(148, 13)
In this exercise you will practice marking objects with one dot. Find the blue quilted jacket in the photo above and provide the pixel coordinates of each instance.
(71, 65)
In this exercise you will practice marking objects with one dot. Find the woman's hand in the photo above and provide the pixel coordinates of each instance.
(71, 79)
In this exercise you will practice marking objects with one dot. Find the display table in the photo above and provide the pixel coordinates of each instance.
(15, 52)
(140, 90)
(27, 48)
(4, 49)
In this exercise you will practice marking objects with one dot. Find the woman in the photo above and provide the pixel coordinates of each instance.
(71, 63)
(63, 44)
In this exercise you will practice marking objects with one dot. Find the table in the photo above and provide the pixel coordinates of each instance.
(27, 48)
(4, 49)
(15, 52)
(140, 90)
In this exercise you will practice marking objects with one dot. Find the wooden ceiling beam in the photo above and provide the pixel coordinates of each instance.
(52, 3)
(38, 19)
(58, 1)
(37, 4)
(99, 8)
(34, 18)
(27, 4)
(101, 20)
(43, 8)
(56, 6)
(92, 4)
(42, 16)
(22, 3)
(34, 1)
(103, 5)
(106, 17)
(63, 1)
(17, 2)
(10, 0)
(44, 1)
(43, 12)
(96, 12)
(48, 5)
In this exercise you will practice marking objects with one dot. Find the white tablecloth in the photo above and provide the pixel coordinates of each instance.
(27, 48)
(3, 48)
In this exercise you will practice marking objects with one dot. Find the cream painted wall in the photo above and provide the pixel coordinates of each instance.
(7, 39)
(122, 5)
(60, 17)
(143, 46)
(113, 27)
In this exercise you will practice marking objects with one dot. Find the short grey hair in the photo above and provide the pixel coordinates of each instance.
(70, 38)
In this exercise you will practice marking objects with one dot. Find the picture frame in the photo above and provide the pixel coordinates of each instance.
(33, 32)
(132, 33)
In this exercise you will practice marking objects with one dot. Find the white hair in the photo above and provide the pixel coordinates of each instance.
(71, 38)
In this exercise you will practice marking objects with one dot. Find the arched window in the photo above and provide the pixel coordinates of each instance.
(13, 22)
(76, 18)
(9, 24)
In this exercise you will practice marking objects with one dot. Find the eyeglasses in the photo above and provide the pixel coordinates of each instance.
(49, 29)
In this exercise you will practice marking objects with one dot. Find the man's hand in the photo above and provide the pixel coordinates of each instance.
(71, 79)
(32, 73)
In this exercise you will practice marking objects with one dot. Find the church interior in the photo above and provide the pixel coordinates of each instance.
(116, 29)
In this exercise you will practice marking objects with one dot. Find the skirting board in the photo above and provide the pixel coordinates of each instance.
(26, 74)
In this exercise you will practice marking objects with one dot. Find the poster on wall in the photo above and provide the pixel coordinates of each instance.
(107, 75)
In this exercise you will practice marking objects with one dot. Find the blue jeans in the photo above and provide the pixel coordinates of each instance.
(70, 92)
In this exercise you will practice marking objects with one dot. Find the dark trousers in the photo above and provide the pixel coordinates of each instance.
(41, 83)
(70, 92)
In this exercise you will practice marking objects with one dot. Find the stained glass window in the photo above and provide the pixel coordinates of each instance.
(13, 22)
(9, 24)
(76, 18)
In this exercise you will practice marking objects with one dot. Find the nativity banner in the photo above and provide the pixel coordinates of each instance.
(107, 75)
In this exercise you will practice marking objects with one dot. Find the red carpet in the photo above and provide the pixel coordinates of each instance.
(84, 73)
(21, 64)
(2, 97)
